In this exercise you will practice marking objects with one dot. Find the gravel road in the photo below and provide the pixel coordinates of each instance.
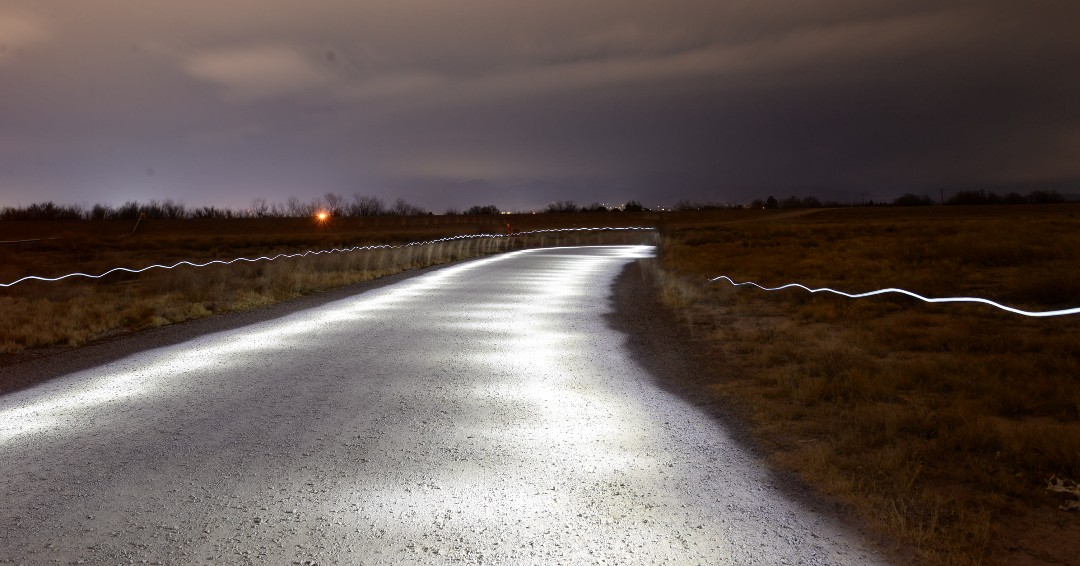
(486, 412)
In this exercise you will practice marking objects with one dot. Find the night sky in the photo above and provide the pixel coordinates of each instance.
(520, 103)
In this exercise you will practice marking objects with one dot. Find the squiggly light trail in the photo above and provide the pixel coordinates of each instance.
(318, 252)
(908, 293)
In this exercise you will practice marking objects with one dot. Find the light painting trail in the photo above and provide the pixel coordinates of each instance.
(1013, 310)
(318, 252)
(1061, 312)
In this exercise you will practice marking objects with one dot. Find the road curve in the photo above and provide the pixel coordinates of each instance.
(480, 413)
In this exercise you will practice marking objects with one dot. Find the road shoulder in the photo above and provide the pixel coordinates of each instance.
(662, 345)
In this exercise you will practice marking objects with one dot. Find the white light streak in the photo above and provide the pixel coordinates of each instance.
(1061, 312)
(317, 252)
(175, 370)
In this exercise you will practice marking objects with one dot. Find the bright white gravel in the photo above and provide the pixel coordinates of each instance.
(485, 412)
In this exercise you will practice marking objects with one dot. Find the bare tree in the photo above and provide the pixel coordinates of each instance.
(295, 207)
(260, 208)
(364, 205)
(403, 208)
(334, 204)
(101, 212)
(174, 210)
(128, 211)
(563, 206)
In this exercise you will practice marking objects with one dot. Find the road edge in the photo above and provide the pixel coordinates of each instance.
(662, 344)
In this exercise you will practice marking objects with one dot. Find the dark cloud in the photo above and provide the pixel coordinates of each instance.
(456, 103)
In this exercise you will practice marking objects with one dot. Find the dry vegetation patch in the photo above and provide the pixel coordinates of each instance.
(75, 311)
(940, 424)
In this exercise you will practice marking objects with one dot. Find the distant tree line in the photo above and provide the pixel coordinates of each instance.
(487, 209)
(795, 202)
(983, 197)
(334, 204)
(330, 203)
(569, 206)
(911, 199)
(685, 205)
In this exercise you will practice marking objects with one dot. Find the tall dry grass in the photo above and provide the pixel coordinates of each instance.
(76, 311)
(940, 424)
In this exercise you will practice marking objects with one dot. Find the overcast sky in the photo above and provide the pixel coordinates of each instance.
(519, 103)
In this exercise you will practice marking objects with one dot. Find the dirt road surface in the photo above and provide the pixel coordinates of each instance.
(486, 412)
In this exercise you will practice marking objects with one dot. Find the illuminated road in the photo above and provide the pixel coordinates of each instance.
(480, 413)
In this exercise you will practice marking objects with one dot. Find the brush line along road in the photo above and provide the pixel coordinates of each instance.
(486, 412)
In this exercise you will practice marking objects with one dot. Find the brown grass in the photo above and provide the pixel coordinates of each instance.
(76, 311)
(940, 424)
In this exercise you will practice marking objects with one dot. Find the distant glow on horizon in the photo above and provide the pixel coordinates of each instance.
(1061, 312)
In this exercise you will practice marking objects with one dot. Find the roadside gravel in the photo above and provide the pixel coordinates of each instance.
(487, 412)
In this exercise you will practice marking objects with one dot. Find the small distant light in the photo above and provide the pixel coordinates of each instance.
(321, 216)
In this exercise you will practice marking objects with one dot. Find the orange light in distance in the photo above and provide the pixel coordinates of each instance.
(322, 216)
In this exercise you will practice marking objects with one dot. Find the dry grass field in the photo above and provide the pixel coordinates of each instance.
(941, 424)
(48, 315)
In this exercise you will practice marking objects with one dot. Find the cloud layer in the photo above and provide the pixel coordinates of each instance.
(519, 103)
